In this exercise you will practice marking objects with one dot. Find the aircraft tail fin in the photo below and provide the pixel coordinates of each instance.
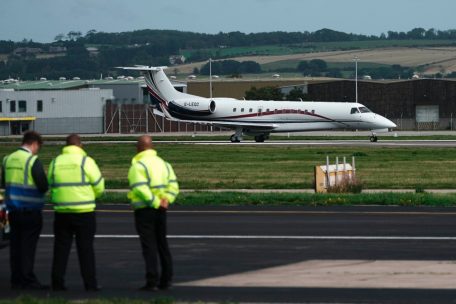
(158, 85)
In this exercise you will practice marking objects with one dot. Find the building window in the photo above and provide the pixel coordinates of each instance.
(22, 105)
(39, 106)
(1, 107)
(12, 106)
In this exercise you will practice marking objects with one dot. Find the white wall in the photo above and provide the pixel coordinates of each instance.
(57, 103)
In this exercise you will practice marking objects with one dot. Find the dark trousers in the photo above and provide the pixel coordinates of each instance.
(151, 227)
(82, 226)
(25, 231)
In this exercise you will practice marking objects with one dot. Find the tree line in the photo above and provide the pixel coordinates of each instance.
(153, 47)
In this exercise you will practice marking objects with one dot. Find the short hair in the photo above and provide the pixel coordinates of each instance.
(73, 140)
(31, 137)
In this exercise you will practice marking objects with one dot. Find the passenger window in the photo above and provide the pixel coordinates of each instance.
(354, 111)
(234, 109)
(242, 109)
(250, 110)
(313, 111)
(267, 110)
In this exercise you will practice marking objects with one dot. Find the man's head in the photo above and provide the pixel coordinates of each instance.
(144, 143)
(73, 140)
(32, 140)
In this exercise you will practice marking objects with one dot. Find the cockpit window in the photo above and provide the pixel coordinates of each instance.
(354, 111)
(364, 110)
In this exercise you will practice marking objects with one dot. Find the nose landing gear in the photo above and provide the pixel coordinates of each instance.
(373, 137)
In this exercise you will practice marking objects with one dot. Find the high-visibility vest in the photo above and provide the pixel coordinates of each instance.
(75, 181)
(151, 179)
(20, 189)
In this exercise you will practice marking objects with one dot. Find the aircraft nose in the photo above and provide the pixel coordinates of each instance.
(389, 124)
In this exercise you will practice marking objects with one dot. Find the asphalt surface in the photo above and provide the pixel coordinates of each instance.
(217, 242)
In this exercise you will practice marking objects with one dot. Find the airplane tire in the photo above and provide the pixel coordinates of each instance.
(260, 138)
(234, 139)
(373, 138)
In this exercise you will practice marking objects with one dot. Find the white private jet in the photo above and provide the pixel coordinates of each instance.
(258, 118)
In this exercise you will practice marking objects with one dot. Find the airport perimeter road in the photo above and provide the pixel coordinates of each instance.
(275, 254)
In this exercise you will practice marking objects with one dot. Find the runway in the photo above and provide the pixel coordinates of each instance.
(276, 254)
(316, 143)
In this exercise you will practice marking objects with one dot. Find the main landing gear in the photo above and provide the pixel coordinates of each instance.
(235, 139)
(261, 137)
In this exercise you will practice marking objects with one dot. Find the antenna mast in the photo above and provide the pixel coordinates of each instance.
(210, 78)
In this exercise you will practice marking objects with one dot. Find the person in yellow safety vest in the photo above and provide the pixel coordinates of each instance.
(25, 184)
(153, 187)
(75, 181)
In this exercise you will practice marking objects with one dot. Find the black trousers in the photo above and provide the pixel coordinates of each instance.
(151, 227)
(66, 226)
(25, 231)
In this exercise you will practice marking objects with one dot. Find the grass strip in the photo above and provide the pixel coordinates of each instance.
(302, 199)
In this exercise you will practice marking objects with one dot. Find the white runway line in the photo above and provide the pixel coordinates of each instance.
(282, 237)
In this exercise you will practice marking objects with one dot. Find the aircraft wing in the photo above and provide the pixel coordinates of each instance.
(231, 124)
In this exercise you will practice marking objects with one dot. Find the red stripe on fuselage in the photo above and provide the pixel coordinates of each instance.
(284, 111)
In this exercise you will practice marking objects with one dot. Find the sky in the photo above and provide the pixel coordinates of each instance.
(42, 20)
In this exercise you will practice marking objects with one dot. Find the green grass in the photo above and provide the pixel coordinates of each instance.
(302, 199)
(270, 167)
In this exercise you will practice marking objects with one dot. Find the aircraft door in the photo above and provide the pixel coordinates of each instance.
(356, 117)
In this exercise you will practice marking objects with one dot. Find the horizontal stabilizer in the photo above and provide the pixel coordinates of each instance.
(159, 113)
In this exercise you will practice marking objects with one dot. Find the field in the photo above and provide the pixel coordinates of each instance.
(269, 167)
(431, 59)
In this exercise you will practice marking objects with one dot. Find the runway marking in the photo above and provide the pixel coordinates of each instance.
(343, 274)
(281, 237)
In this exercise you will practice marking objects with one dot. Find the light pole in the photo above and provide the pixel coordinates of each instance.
(210, 78)
(356, 59)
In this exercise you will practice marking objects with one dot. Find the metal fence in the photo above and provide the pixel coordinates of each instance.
(140, 118)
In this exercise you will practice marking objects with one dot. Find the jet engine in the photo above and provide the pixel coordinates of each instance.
(199, 106)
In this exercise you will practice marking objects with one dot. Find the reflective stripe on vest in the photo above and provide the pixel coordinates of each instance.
(64, 189)
(20, 189)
